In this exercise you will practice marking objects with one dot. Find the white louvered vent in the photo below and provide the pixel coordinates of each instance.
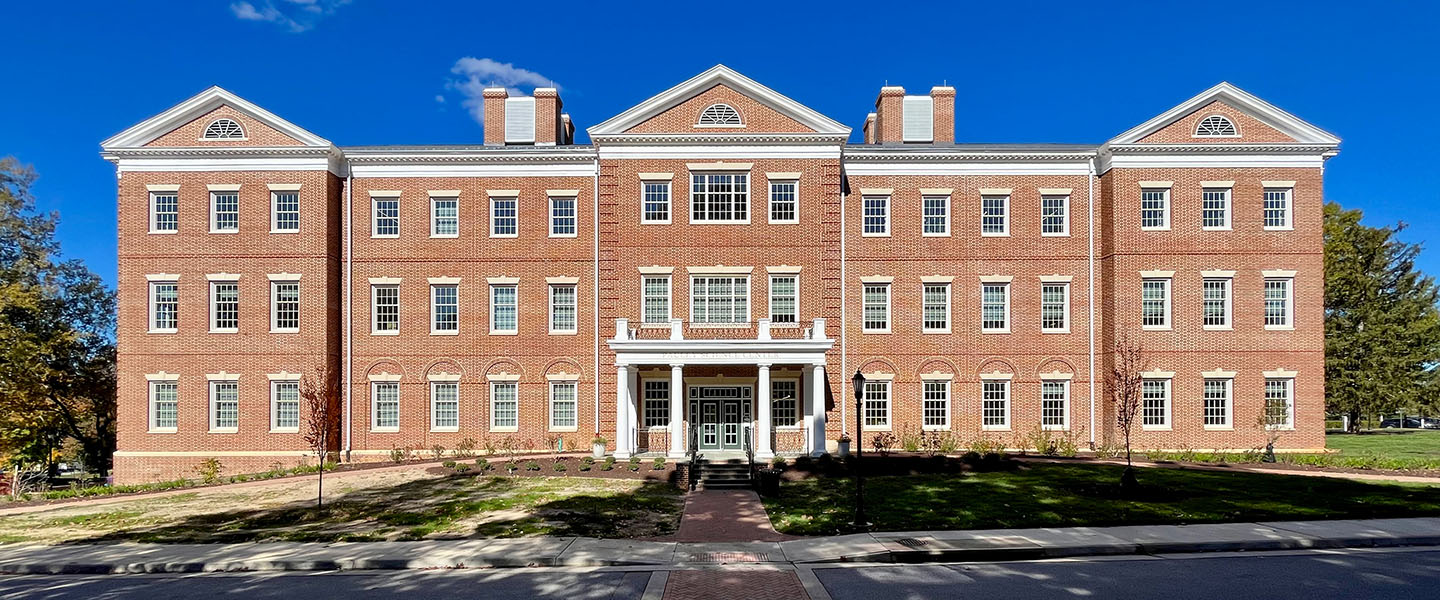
(919, 119)
(520, 120)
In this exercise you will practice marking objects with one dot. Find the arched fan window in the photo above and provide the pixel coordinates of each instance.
(1216, 126)
(719, 115)
(224, 129)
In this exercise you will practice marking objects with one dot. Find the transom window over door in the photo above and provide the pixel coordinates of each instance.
(720, 299)
(720, 197)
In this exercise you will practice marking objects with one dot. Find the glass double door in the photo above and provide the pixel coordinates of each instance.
(722, 413)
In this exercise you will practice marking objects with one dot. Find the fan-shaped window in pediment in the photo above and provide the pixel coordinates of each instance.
(224, 129)
(1216, 126)
(719, 115)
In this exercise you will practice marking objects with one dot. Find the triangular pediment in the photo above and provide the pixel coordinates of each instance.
(758, 110)
(1255, 121)
(184, 124)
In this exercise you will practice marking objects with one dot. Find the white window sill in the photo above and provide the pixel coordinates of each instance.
(1279, 328)
(450, 332)
(654, 325)
(1266, 229)
(444, 429)
(557, 332)
(285, 231)
(227, 330)
(284, 331)
(719, 325)
(1066, 234)
(504, 429)
(1155, 428)
(1219, 428)
(941, 331)
(163, 331)
(946, 234)
(652, 429)
(878, 331)
(875, 235)
(1055, 428)
(447, 236)
(783, 222)
(1217, 328)
(788, 428)
(1155, 327)
(225, 231)
(994, 428)
(994, 234)
(564, 429)
(935, 428)
(387, 236)
(386, 332)
(166, 232)
(162, 430)
(1216, 229)
(384, 430)
(694, 222)
(564, 235)
(1056, 331)
(994, 331)
(510, 236)
(879, 428)
(224, 430)
(785, 325)
(644, 222)
(512, 332)
(284, 430)
(1165, 228)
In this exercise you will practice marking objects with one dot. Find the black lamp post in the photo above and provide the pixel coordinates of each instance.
(859, 382)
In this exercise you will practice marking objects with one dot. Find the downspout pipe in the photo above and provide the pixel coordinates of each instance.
(595, 279)
(347, 293)
(1090, 291)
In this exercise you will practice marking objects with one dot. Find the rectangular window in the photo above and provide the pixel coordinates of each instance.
(877, 215)
(385, 395)
(285, 211)
(444, 308)
(1217, 303)
(1155, 208)
(720, 197)
(995, 307)
(1155, 403)
(164, 406)
(936, 308)
(562, 405)
(1217, 402)
(504, 308)
(876, 397)
(1215, 208)
(784, 403)
(224, 405)
(936, 404)
(164, 306)
(1155, 303)
(655, 299)
(444, 217)
(224, 212)
(386, 217)
(936, 215)
(994, 215)
(720, 299)
(444, 406)
(995, 404)
(562, 309)
(285, 405)
(385, 309)
(504, 217)
(224, 306)
(784, 298)
(1055, 307)
(1277, 208)
(1055, 215)
(285, 306)
(504, 405)
(1278, 302)
(1055, 404)
(876, 298)
(657, 402)
(656, 207)
(1279, 402)
(562, 217)
(784, 202)
(164, 212)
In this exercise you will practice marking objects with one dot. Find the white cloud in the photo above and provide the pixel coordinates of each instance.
(481, 73)
(293, 15)
(440, 98)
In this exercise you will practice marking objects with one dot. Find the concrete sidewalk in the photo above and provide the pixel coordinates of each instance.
(908, 547)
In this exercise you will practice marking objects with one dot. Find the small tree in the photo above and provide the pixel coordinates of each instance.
(1124, 388)
(1274, 419)
(321, 394)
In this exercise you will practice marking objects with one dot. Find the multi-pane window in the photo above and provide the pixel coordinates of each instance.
(386, 211)
(224, 405)
(164, 305)
(995, 404)
(1216, 126)
(504, 217)
(655, 298)
(445, 405)
(1277, 208)
(385, 396)
(1215, 208)
(1278, 302)
(562, 216)
(720, 197)
(720, 299)
(224, 306)
(876, 297)
(286, 207)
(1054, 215)
(563, 300)
(1217, 302)
(504, 405)
(503, 309)
(384, 308)
(1155, 303)
(656, 204)
(164, 405)
(562, 405)
(936, 403)
(876, 403)
(876, 215)
(1217, 402)
(784, 297)
(1155, 208)
(285, 306)
(1279, 403)
(994, 215)
(444, 217)
(1055, 307)
(285, 405)
(1055, 404)
(1155, 403)
(225, 211)
(784, 202)
(164, 211)
(444, 308)
(784, 403)
(995, 307)
(936, 215)
(657, 402)
(936, 307)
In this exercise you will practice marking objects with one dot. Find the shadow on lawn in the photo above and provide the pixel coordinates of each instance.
(453, 507)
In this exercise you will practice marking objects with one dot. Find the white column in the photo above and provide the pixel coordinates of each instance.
(807, 414)
(762, 415)
(622, 420)
(816, 420)
(678, 434)
(632, 408)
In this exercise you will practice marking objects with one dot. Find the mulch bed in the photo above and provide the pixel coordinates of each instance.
(644, 471)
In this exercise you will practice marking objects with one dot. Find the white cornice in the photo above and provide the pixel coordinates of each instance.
(1240, 100)
(200, 104)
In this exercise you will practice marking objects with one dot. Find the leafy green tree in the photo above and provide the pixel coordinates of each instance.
(1382, 329)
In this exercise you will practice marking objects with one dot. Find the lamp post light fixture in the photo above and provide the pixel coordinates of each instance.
(861, 522)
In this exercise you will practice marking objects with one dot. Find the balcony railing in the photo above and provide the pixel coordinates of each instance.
(680, 329)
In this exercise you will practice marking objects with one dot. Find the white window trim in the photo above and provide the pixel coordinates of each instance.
(550, 419)
(507, 428)
(1289, 401)
(1169, 406)
(749, 300)
(433, 305)
(275, 305)
(949, 402)
(770, 204)
(949, 310)
(749, 198)
(889, 302)
(550, 301)
(375, 215)
(1289, 205)
(1195, 133)
(1169, 309)
(375, 314)
(153, 280)
(1165, 211)
(275, 405)
(641, 400)
(275, 191)
(550, 200)
(1066, 313)
(799, 404)
(1289, 303)
(669, 299)
(434, 404)
(983, 328)
(1065, 223)
(214, 305)
(157, 191)
(214, 413)
(1228, 209)
(495, 199)
(435, 217)
(150, 391)
(770, 299)
(946, 232)
(888, 200)
(1229, 324)
(1005, 215)
(669, 198)
(889, 403)
(215, 191)
(1065, 411)
(493, 330)
(1229, 424)
(1009, 404)
(375, 404)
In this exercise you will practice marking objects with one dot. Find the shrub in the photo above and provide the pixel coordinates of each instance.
(883, 443)
(909, 441)
(1186, 454)
(489, 446)
(465, 449)
(449, 464)
(209, 470)
(1154, 455)
(598, 439)
(437, 451)
(559, 466)
(482, 464)
(397, 455)
(658, 464)
(586, 463)
(948, 443)
(531, 465)
(511, 466)
(1043, 442)
(462, 468)
(1067, 447)
(1107, 450)
(634, 463)
(777, 462)
(608, 464)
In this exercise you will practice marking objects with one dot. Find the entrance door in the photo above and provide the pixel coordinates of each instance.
(721, 412)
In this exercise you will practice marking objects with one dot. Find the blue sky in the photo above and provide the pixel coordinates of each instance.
(369, 72)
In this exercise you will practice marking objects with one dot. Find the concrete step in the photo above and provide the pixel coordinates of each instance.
(724, 485)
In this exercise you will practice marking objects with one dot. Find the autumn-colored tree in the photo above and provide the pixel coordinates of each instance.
(321, 395)
(1124, 388)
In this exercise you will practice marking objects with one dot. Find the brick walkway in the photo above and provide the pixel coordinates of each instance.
(739, 585)
(725, 516)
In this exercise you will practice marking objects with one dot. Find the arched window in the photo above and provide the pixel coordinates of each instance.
(223, 129)
(719, 115)
(1216, 126)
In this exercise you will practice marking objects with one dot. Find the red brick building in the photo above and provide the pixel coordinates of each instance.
(708, 273)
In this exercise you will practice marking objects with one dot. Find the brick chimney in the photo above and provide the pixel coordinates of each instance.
(494, 99)
(524, 120)
(567, 128)
(888, 118)
(548, 127)
(869, 128)
(943, 98)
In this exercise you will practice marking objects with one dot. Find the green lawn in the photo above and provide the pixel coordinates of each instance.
(1085, 495)
(1408, 443)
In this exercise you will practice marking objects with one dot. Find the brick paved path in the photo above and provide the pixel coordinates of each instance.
(725, 516)
(739, 585)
